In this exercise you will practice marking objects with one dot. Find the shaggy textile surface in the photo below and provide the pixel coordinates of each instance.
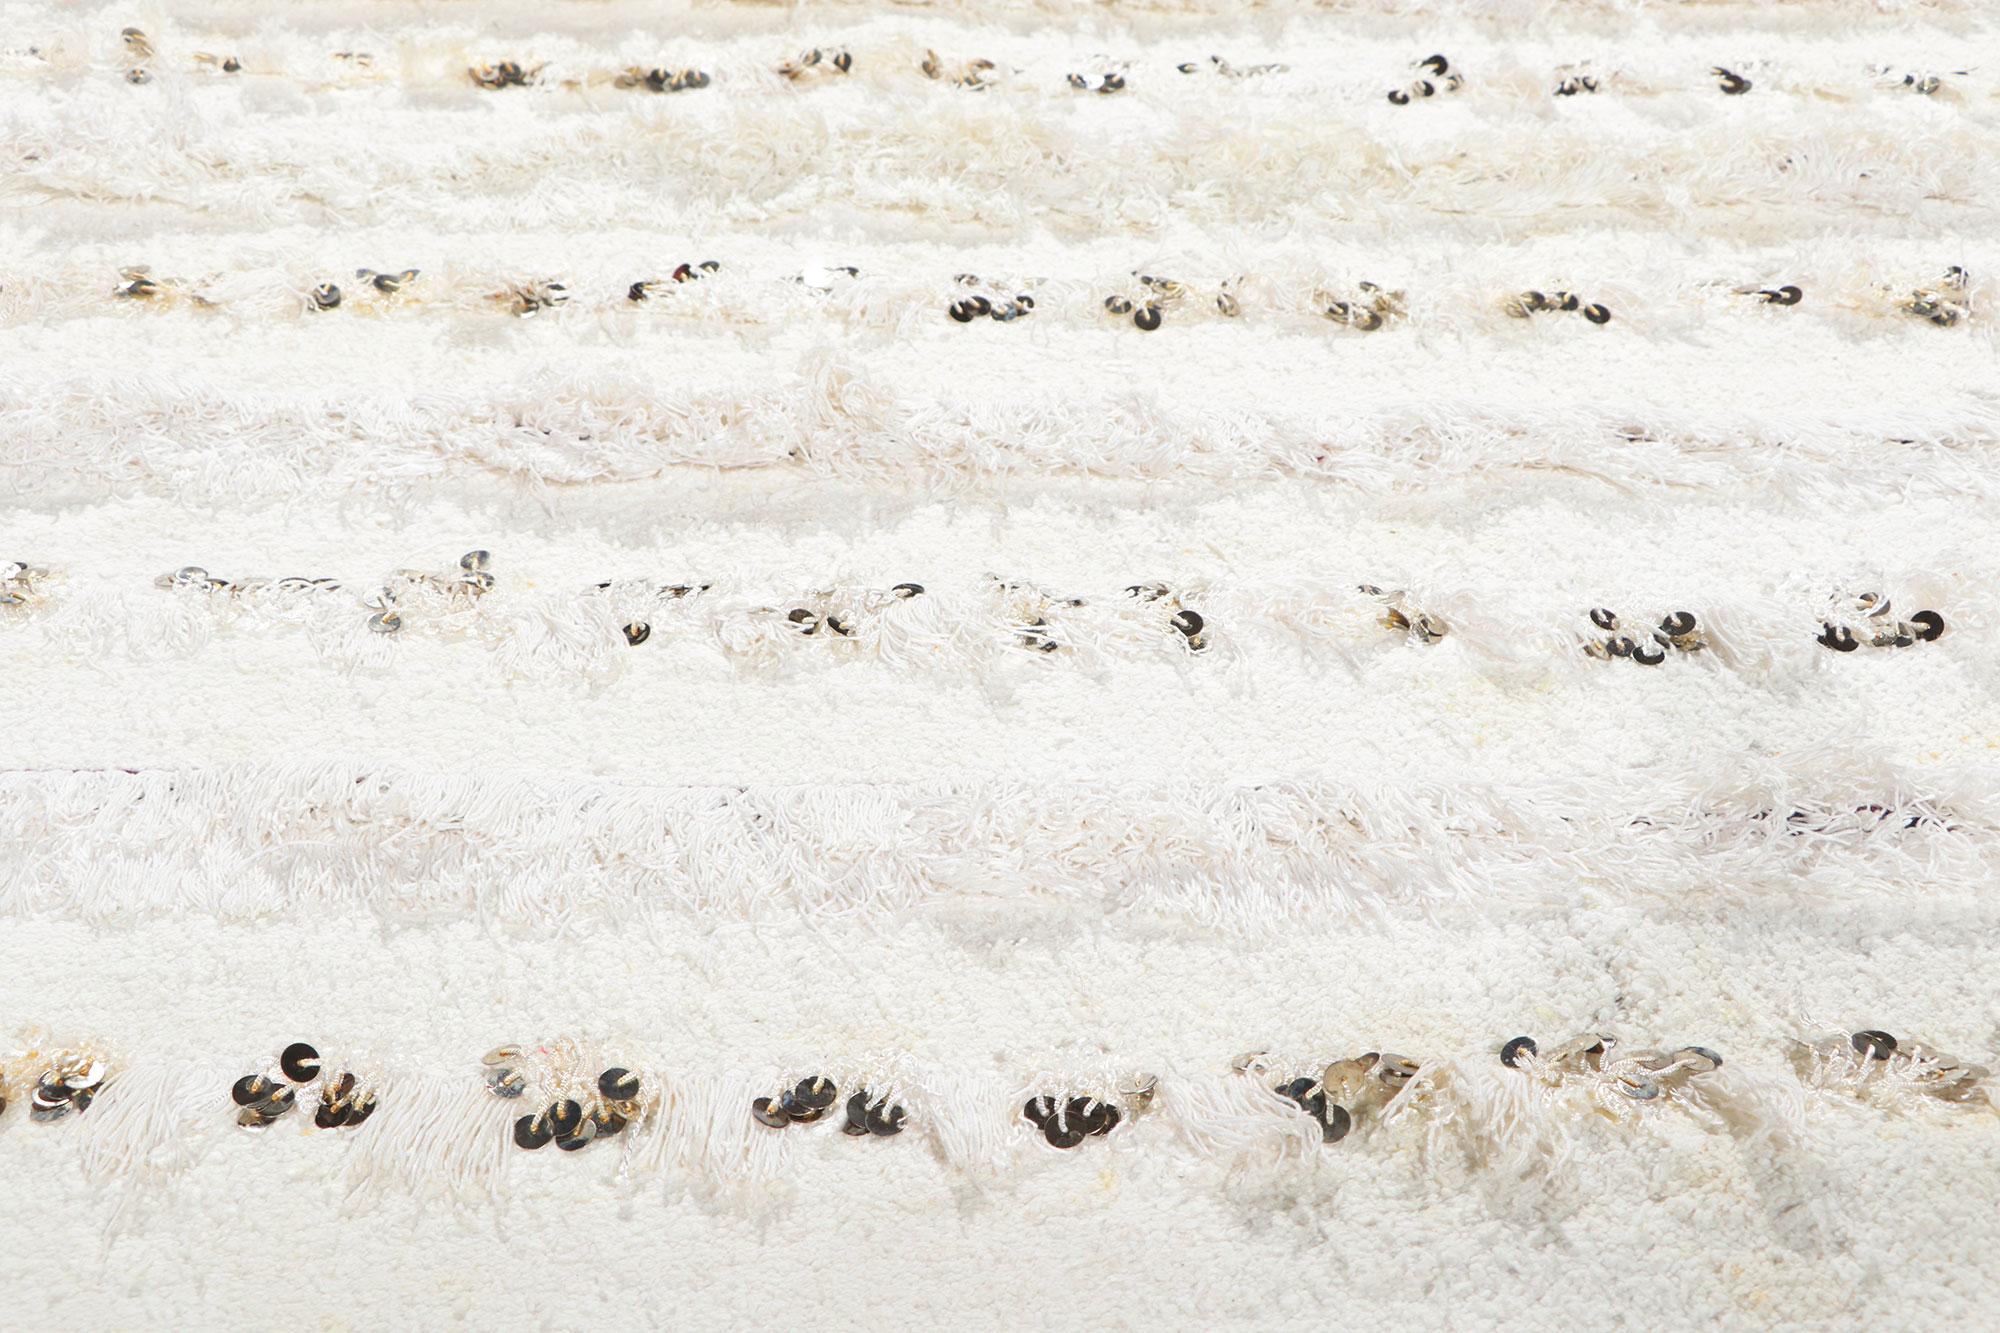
(996, 649)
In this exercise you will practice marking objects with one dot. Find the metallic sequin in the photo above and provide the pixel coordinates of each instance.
(300, 1062)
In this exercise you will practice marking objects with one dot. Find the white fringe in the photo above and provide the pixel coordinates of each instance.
(538, 854)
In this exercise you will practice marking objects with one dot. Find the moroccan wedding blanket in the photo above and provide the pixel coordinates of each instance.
(1000, 663)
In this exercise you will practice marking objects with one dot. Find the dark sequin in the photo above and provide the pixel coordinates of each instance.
(618, 1085)
(815, 1093)
(532, 1131)
(300, 1062)
(1705, 1054)
(1061, 1133)
(1515, 1049)
(1334, 1122)
(1874, 1043)
(250, 1089)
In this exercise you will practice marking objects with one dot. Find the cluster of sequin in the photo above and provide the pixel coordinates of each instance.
(802, 1104)
(986, 300)
(1147, 302)
(1636, 1076)
(810, 1099)
(1185, 621)
(1434, 75)
(1401, 615)
(577, 1114)
(1873, 615)
(1944, 303)
(1367, 308)
(193, 578)
(1871, 1060)
(1525, 305)
(1344, 1091)
(266, 1097)
(1676, 633)
(647, 288)
(22, 585)
(469, 582)
(1066, 1122)
(65, 1083)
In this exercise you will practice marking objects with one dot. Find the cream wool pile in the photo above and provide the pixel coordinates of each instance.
(508, 542)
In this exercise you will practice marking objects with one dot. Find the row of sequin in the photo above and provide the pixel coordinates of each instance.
(571, 1103)
(1427, 78)
(1146, 300)
(1034, 615)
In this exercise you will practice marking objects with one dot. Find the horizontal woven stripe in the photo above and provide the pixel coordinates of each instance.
(248, 842)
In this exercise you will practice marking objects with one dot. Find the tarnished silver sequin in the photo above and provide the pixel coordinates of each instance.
(1945, 302)
(1868, 619)
(505, 74)
(1678, 631)
(1402, 616)
(389, 284)
(818, 62)
(1367, 307)
(66, 1083)
(976, 74)
(1595, 1061)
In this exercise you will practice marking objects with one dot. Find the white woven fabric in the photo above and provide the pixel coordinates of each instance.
(1019, 832)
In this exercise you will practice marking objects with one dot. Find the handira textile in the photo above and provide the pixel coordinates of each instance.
(1117, 664)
